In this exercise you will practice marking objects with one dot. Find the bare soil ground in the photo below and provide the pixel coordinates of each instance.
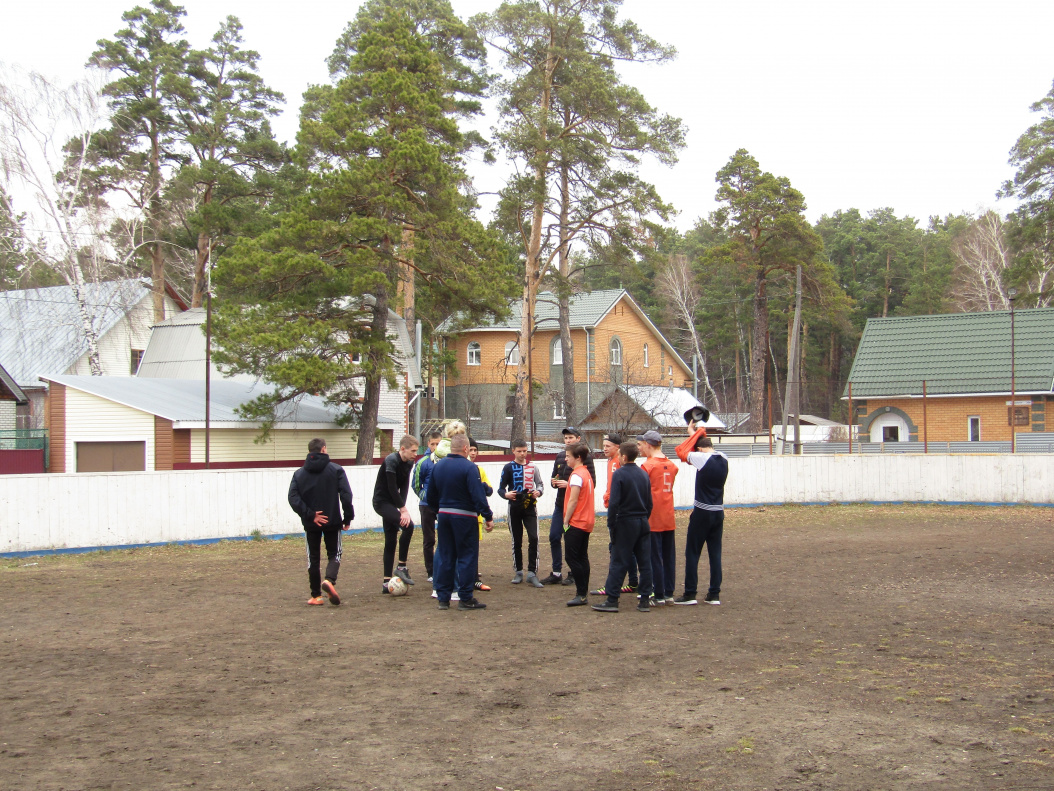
(857, 648)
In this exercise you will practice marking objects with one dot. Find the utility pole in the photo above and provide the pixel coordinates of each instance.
(208, 350)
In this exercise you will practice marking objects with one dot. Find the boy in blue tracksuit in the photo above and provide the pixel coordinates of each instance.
(455, 492)
(629, 508)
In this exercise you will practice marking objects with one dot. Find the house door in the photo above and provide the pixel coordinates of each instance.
(889, 427)
(111, 456)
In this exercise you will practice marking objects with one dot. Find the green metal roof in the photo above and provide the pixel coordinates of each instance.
(586, 309)
(959, 353)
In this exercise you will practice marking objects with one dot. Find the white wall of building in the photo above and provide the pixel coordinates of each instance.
(8, 411)
(40, 512)
(93, 419)
(115, 347)
(239, 444)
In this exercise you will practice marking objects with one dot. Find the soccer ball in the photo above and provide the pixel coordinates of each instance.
(396, 587)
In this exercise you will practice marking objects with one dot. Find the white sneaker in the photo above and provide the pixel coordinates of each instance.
(453, 596)
(435, 595)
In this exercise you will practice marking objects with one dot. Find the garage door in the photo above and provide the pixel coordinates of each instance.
(111, 456)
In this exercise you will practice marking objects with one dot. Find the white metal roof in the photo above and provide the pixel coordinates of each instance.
(183, 401)
(667, 405)
(42, 329)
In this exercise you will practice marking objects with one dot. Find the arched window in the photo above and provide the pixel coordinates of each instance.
(645, 355)
(474, 354)
(558, 352)
(512, 353)
(616, 351)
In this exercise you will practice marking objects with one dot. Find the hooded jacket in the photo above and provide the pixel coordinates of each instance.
(321, 485)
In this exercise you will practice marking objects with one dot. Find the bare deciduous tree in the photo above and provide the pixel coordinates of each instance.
(677, 283)
(982, 257)
(44, 130)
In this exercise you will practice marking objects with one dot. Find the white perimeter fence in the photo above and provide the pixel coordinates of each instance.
(91, 510)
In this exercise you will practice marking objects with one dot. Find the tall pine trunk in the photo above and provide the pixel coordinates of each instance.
(371, 400)
(568, 355)
(201, 259)
(533, 273)
(758, 351)
(157, 253)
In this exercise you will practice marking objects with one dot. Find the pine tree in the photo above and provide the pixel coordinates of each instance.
(306, 304)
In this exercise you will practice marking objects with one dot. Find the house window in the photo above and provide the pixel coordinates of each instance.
(356, 358)
(974, 428)
(510, 406)
(616, 351)
(1017, 416)
(137, 359)
(475, 407)
(645, 355)
(558, 352)
(669, 372)
(512, 353)
(891, 433)
(558, 408)
(474, 354)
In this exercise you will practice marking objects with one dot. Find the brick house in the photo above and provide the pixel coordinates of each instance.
(964, 359)
(614, 342)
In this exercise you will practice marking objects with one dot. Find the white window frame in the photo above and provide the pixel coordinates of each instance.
(969, 428)
(616, 351)
(558, 408)
(558, 352)
(645, 355)
(512, 353)
(474, 359)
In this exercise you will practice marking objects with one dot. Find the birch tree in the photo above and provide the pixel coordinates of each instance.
(983, 259)
(44, 130)
(678, 285)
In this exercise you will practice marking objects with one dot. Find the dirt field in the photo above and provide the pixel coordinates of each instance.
(856, 648)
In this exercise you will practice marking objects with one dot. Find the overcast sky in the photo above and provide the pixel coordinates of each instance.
(911, 105)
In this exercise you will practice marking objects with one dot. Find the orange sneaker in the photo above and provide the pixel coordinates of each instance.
(331, 590)
(316, 600)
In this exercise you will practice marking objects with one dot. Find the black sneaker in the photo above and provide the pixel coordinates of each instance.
(384, 588)
(657, 601)
(444, 605)
(686, 599)
(642, 606)
(712, 598)
(578, 601)
(608, 605)
(568, 580)
(553, 579)
(471, 604)
(404, 575)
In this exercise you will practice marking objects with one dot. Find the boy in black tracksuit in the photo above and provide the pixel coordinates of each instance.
(628, 510)
(389, 501)
(521, 484)
(317, 493)
(561, 474)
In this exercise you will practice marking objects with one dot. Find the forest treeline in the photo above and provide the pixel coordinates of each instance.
(162, 163)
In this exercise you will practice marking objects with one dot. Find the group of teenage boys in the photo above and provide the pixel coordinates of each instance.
(453, 493)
